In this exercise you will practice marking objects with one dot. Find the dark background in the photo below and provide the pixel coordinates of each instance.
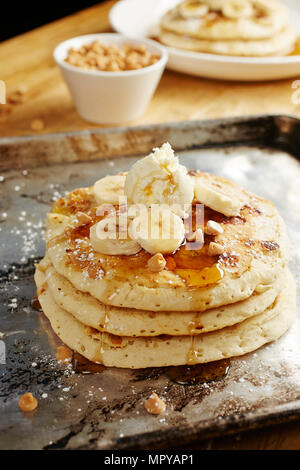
(18, 17)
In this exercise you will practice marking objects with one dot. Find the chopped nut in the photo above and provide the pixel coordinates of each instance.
(16, 98)
(196, 236)
(64, 354)
(155, 405)
(37, 125)
(157, 263)
(213, 228)
(28, 402)
(81, 219)
(215, 249)
(22, 89)
(5, 110)
(113, 66)
(97, 56)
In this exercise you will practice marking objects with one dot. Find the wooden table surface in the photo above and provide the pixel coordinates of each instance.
(27, 61)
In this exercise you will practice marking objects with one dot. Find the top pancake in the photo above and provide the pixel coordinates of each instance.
(214, 26)
(256, 252)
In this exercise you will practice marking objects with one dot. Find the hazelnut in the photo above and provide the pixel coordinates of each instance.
(37, 125)
(157, 263)
(81, 219)
(213, 228)
(97, 56)
(215, 249)
(155, 405)
(15, 98)
(196, 236)
(22, 89)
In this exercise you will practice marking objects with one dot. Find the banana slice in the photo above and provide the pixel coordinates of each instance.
(108, 238)
(215, 5)
(109, 189)
(235, 9)
(221, 198)
(265, 11)
(158, 230)
(193, 9)
(160, 179)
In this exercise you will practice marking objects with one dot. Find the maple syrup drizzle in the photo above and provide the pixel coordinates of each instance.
(195, 267)
(192, 355)
(200, 373)
(195, 325)
(203, 277)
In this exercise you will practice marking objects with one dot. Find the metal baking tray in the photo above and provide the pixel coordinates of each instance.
(105, 409)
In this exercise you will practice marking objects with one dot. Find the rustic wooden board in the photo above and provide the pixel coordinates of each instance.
(27, 59)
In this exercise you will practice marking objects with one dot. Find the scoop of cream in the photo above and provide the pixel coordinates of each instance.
(160, 179)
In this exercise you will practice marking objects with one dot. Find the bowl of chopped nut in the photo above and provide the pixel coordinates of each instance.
(111, 78)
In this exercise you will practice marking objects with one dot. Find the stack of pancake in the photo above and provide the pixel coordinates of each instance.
(229, 27)
(200, 307)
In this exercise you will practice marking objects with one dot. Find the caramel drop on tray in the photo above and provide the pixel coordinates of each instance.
(28, 402)
(64, 354)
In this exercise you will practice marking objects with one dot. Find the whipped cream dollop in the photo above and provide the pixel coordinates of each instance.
(159, 194)
(160, 179)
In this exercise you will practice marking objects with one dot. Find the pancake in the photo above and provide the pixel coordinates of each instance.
(116, 351)
(283, 43)
(131, 322)
(256, 253)
(214, 26)
(252, 28)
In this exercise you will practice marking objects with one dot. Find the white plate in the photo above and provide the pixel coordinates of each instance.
(140, 18)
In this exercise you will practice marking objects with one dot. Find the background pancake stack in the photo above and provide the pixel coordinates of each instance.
(230, 27)
(200, 308)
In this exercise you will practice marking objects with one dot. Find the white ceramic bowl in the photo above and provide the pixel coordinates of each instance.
(110, 97)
